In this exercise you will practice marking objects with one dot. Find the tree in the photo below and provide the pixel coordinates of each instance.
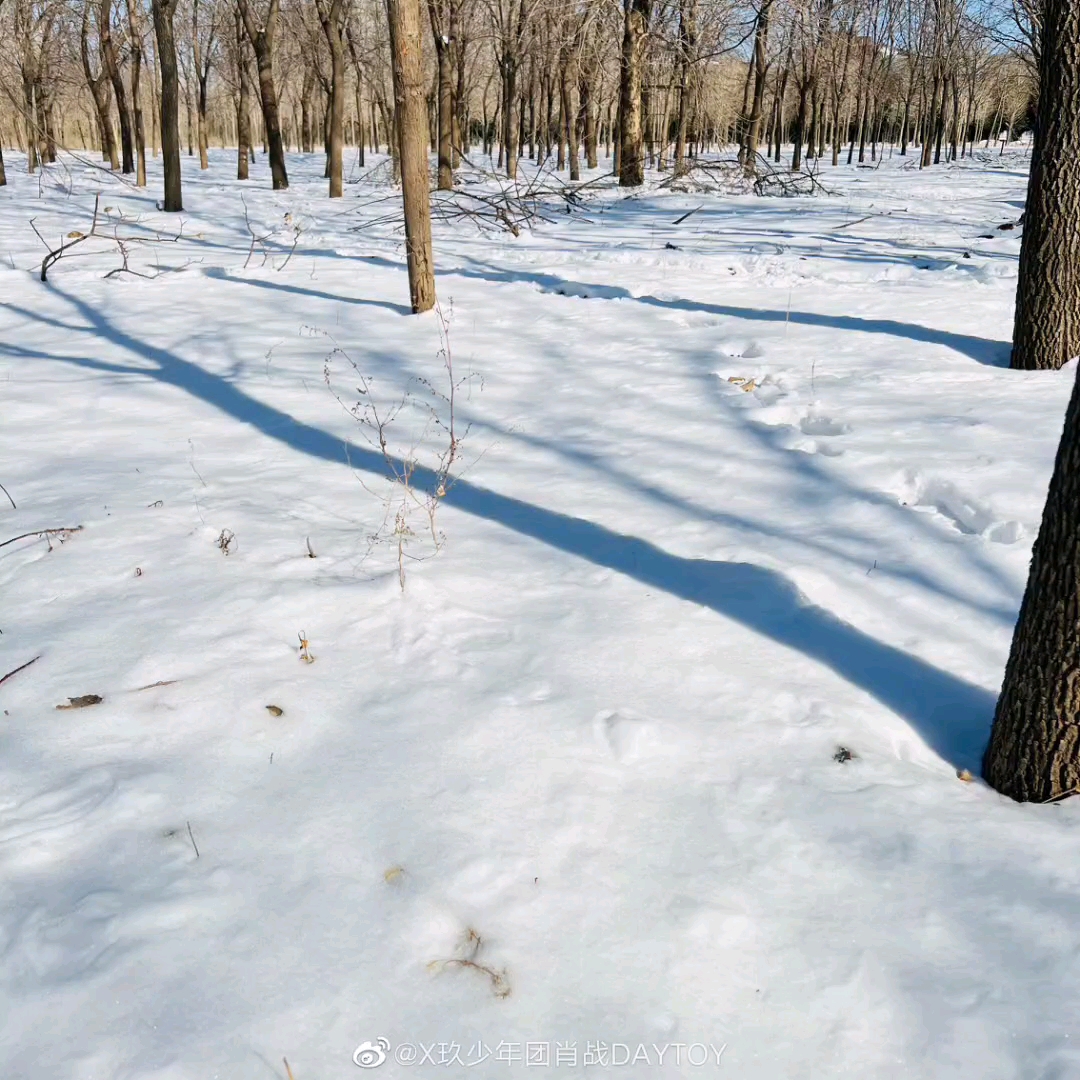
(136, 32)
(163, 11)
(1047, 326)
(439, 13)
(407, 63)
(330, 16)
(112, 66)
(262, 41)
(631, 130)
(1034, 749)
(99, 91)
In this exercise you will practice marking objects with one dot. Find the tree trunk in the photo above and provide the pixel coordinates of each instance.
(99, 90)
(800, 126)
(170, 102)
(440, 33)
(108, 56)
(569, 121)
(243, 106)
(135, 25)
(262, 41)
(1047, 326)
(631, 132)
(1034, 749)
(753, 124)
(407, 61)
(330, 15)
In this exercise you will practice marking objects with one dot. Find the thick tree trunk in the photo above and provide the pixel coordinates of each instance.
(170, 102)
(406, 52)
(631, 130)
(1034, 750)
(1047, 327)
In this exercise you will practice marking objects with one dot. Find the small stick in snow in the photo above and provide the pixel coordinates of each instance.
(287, 1069)
(8, 494)
(191, 837)
(21, 667)
(847, 225)
(679, 221)
(1063, 795)
(310, 552)
(62, 533)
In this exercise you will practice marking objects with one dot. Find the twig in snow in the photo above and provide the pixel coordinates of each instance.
(287, 1069)
(62, 533)
(473, 943)
(191, 837)
(848, 224)
(10, 499)
(21, 667)
(679, 221)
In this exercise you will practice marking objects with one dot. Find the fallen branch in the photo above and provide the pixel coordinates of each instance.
(10, 499)
(62, 533)
(73, 237)
(21, 667)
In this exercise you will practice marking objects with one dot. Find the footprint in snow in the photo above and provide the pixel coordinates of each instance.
(965, 513)
(625, 737)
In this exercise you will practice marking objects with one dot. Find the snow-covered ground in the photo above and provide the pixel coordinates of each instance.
(599, 727)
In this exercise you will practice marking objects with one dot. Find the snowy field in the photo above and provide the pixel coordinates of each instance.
(599, 728)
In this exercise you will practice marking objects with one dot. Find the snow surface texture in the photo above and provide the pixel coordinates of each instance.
(598, 729)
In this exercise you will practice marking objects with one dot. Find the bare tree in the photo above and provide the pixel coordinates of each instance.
(163, 11)
(406, 52)
(636, 15)
(262, 34)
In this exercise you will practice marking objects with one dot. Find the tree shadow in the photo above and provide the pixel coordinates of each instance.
(951, 715)
(218, 274)
(984, 350)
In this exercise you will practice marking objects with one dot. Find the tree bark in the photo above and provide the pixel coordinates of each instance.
(135, 26)
(170, 103)
(1034, 749)
(440, 33)
(1047, 325)
(108, 56)
(243, 105)
(631, 131)
(330, 17)
(407, 62)
(761, 67)
(99, 90)
(262, 41)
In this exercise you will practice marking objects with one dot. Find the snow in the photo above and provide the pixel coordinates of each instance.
(735, 493)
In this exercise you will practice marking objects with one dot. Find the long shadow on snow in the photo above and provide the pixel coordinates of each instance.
(984, 350)
(951, 715)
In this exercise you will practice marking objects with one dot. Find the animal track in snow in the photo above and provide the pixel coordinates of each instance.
(967, 514)
(626, 737)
